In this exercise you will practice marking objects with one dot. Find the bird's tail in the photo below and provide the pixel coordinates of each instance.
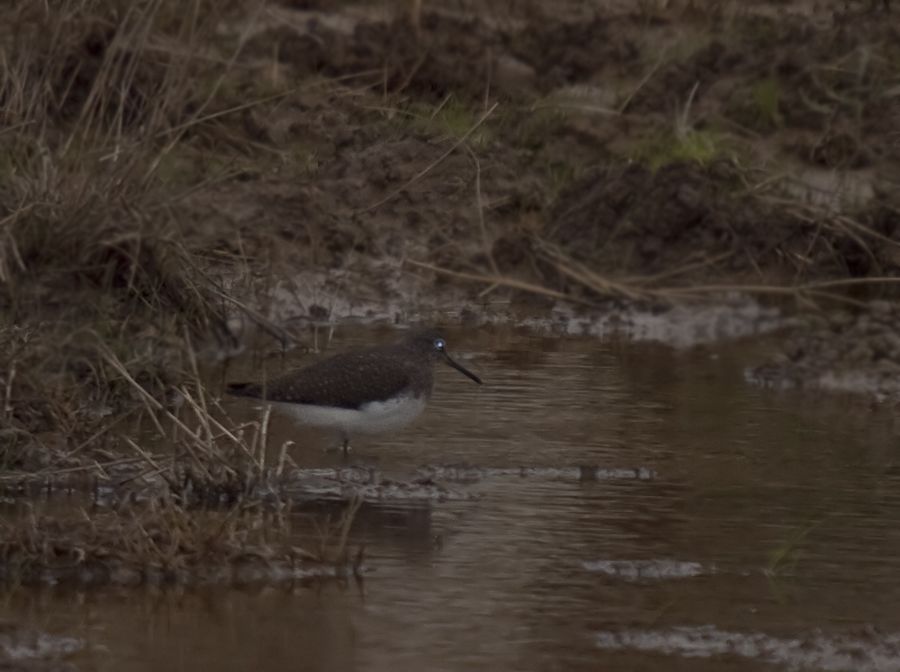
(242, 389)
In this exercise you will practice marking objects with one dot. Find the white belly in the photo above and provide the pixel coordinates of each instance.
(371, 418)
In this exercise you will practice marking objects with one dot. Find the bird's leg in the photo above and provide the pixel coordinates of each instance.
(344, 446)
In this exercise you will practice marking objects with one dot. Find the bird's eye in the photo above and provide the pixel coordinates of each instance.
(439, 344)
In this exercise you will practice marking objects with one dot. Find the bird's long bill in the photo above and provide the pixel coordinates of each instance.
(462, 369)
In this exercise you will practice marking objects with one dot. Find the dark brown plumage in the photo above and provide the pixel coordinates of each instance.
(355, 378)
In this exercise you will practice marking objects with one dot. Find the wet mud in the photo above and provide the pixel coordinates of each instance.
(856, 353)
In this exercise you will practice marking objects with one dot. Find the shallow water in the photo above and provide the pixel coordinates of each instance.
(767, 537)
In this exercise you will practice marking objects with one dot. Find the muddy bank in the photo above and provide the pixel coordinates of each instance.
(673, 156)
(856, 352)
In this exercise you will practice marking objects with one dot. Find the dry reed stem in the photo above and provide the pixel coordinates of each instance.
(640, 85)
(816, 214)
(586, 277)
(479, 208)
(208, 449)
(51, 474)
(775, 289)
(202, 446)
(501, 281)
(431, 166)
(264, 437)
(146, 397)
(636, 289)
(282, 458)
(346, 523)
(641, 280)
(148, 459)
(258, 318)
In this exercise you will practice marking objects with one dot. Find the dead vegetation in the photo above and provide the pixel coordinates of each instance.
(104, 287)
(205, 505)
(93, 255)
(683, 199)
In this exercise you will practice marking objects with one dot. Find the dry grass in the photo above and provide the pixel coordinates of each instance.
(92, 255)
(96, 100)
(212, 460)
(202, 504)
(586, 285)
(102, 292)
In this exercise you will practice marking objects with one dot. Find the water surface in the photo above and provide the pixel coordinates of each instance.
(767, 539)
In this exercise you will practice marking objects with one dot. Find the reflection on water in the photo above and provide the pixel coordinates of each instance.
(767, 530)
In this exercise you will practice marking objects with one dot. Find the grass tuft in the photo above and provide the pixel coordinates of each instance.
(91, 250)
(692, 146)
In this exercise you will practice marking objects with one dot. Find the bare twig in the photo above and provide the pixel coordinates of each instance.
(427, 169)
(578, 272)
(479, 206)
(503, 281)
(646, 78)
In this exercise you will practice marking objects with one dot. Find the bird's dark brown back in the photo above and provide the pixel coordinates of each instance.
(346, 380)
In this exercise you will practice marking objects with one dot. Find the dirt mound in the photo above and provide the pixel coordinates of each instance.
(855, 352)
(447, 55)
(629, 220)
(811, 81)
(563, 53)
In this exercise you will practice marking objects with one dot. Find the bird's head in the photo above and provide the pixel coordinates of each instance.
(432, 343)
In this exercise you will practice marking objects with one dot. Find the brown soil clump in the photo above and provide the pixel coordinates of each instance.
(851, 352)
(631, 221)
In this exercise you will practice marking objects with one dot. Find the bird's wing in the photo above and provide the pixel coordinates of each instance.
(343, 381)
